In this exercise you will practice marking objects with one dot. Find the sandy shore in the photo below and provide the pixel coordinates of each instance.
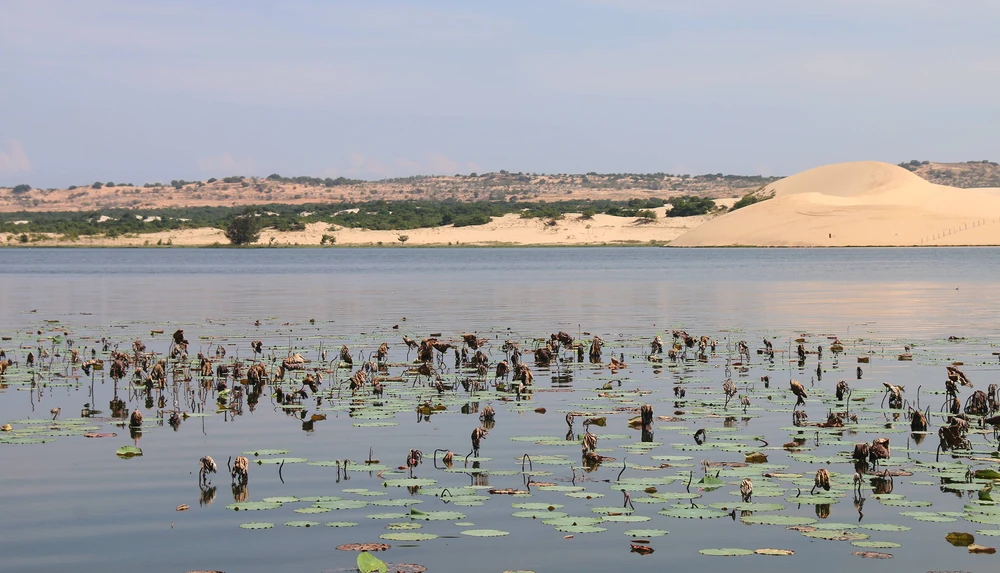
(510, 230)
(857, 204)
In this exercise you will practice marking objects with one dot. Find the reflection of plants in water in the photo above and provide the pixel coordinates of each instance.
(207, 495)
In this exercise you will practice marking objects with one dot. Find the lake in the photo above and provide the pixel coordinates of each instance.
(71, 503)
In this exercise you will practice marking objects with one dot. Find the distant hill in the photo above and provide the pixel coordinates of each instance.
(966, 175)
(503, 185)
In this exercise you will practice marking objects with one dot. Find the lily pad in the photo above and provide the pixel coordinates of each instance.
(256, 525)
(408, 536)
(128, 452)
(727, 552)
(485, 532)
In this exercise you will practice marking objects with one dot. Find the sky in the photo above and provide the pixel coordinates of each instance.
(153, 90)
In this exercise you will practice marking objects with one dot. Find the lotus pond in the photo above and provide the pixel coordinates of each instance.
(331, 470)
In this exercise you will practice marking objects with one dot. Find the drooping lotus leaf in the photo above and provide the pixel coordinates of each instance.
(368, 563)
(128, 452)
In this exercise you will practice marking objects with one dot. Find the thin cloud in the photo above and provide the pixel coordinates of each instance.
(13, 159)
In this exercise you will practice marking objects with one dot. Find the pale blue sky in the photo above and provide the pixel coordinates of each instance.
(144, 90)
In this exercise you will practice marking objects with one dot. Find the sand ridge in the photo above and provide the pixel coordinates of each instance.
(509, 229)
(863, 203)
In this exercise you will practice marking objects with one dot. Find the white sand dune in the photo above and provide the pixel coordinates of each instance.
(864, 203)
(509, 230)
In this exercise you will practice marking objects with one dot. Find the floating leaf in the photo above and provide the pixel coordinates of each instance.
(774, 552)
(485, 532)
(253, 505)
(301, 523)
(256, 525)
(872, 554)
(778, 520)
(727, 552)
(265, 453)
(363, 547)
(128, 452)
(960, 539)
(646, 532)
(368, 563)
(408, 536)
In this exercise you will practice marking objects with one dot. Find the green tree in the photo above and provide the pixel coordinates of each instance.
(403, 238)
(689, 205)
(22, 188)
(244, 228)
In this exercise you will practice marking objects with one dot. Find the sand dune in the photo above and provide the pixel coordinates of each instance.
(507, 230)
(864, 203)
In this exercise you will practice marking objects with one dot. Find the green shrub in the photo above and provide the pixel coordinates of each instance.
(755, 196)
(244, 228)
(690, 205)
(22, 188)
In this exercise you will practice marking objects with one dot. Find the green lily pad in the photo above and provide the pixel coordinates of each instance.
(301, 523)
(693, 512)
(646, 532)
(786, 520)
(408, 536)
(485, 532)
(253, 505)
(128, 452)
(312, 510)
(580, 529)
(876, 544)
(257, 453)
(340, 523)
(409, 482)
(727, 552)
(256, 525)
(436, 515)
(885, 527)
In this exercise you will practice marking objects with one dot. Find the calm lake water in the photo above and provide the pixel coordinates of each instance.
(71, 503)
